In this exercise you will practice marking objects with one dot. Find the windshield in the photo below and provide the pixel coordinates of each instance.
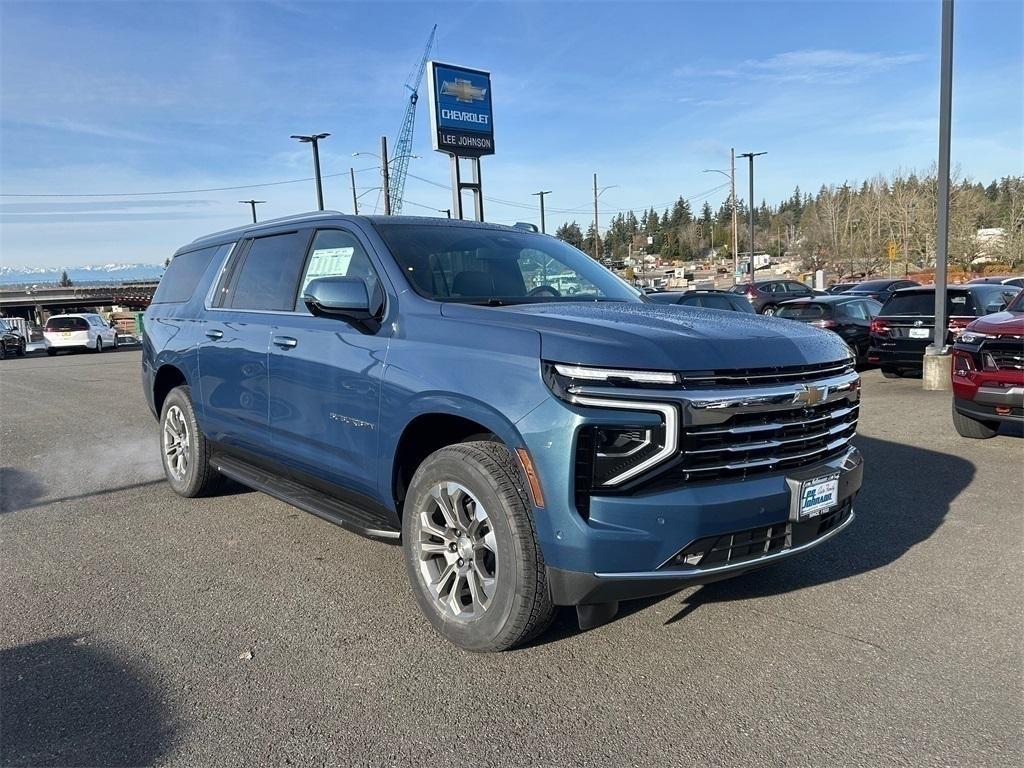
(803, 312)
(923, 303)
(67, 324)
(871, 285)
(490, 266)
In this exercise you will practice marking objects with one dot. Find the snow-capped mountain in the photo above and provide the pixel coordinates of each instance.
(89, 273)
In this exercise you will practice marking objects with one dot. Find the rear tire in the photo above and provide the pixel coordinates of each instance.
(768, 309)
(972, 428)
(184, 450)
(22, 349)
(99, 344)
(51, 352)
(471, 550)
(892, 373)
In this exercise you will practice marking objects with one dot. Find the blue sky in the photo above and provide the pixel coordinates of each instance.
(139, 97)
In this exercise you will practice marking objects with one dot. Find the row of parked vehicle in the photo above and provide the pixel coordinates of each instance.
(83, 332)
(888, 323)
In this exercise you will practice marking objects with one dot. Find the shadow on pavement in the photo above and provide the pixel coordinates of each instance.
(18, 489)
(906, 494)
(67, 703)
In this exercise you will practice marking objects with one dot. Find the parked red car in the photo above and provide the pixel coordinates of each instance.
(988, 372)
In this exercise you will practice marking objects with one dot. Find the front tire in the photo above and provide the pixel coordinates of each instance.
(973, 428)
(471, 550)
(99, 344)
(184, 449)
(22, 348)
(768, 309)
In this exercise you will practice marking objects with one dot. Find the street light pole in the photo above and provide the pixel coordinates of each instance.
(735, 228)
(385, 174)
(253, 204)
(596, 238)
(355, 200)
(541, 196)
(936, 360)
(314, 139)
(750, 207)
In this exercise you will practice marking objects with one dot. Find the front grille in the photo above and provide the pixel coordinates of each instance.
(1004, 353)
(756, 543)
(750, 443)
(746, 377)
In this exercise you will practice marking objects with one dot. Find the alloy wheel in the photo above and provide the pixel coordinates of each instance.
(458, 553)
(176, 443)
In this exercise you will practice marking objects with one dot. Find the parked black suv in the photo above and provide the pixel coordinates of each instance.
(766, 295)
(879, 290)
(904, 327)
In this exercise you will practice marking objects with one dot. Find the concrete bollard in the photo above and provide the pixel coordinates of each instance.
(935, 375)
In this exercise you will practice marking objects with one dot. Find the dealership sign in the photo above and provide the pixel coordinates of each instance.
(461, 119)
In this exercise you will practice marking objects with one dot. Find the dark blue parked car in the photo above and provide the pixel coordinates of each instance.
(531, 428)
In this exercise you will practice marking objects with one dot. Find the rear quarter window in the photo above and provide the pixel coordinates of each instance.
(184, 273)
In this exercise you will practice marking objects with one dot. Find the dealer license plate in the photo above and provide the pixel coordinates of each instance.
(818, 495)
(920, 333)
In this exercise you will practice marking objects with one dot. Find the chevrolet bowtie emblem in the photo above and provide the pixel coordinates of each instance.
(810, 395)
(463, 90)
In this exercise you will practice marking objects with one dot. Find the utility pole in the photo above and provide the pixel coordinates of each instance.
(446, 211)
(735, 230)
(314, 139)
(355, 200)
(541, 196)
(937, 360)
(750, 207)
(384, 174)
(253, 204)
(596, 238)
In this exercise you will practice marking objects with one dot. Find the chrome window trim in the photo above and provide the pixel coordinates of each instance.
(208, 301)
(671, 418)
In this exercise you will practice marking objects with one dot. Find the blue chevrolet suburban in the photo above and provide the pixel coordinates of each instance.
(530, 428)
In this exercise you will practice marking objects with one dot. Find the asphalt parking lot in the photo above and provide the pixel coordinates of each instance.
(142, 628)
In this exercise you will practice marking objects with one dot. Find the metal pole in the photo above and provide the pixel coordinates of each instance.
(735, 232)
(384, 174)
(596, 238)
(252, 204)
(541, 196)
(446, 211)
(316, 169)
(942, 231)
(750, 208)
(355, 200)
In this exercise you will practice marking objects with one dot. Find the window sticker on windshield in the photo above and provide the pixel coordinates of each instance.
(328, 262)
(958, 299)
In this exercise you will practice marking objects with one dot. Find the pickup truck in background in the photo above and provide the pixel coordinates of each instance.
(426, 382)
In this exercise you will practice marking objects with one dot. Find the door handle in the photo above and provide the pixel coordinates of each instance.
(215, 334)
(285, 342)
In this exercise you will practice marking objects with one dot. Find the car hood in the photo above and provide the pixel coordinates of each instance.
(1011, 323)
(660, 336)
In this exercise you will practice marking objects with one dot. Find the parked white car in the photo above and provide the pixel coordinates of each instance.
(84, 331)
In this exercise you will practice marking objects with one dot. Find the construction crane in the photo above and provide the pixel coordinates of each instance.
(403, 146)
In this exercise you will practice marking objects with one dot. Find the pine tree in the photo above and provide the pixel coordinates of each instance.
(65, 281)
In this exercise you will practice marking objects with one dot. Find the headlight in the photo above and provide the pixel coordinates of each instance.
(585, 373)
(972, 337)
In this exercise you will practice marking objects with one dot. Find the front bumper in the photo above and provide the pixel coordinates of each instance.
(988, 399)
(751, 518)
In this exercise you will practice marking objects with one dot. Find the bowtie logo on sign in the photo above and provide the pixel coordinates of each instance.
(463, 90)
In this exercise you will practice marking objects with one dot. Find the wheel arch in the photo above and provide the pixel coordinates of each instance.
(167, 377)
(434, 425)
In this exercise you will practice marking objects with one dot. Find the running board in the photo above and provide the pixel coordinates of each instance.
(329, 508)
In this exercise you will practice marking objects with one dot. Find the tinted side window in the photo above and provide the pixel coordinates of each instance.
(711, 301)
(855, 309)
(269, 276)
(336, 253)
(690, 301)
(793, 287)
(183, 274)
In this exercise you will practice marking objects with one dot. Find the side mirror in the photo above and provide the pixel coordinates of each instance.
(344, 298)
